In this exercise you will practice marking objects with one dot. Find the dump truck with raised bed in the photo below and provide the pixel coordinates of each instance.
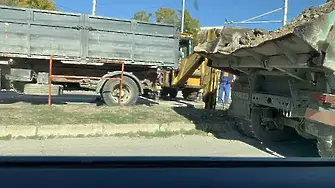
(285, 78)
(84, 49)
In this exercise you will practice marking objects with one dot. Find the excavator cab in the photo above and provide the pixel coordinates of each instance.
(185, 44)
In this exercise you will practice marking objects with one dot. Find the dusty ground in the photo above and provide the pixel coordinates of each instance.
(80, 108)
(173, 146)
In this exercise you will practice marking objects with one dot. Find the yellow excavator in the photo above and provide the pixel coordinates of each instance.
(193, 77)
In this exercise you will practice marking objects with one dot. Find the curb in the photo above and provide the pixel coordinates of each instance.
(89, 129)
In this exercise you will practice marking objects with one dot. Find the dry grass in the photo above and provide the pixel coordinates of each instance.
(27, 114)
(139, 134)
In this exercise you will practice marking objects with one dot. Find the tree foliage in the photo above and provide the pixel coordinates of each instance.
(166, 15)
(170, 16)
(36, 4)
(8, 2)
(191, 25)
(142, 16)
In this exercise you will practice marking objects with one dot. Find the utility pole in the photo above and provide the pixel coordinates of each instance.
(94, 7)
(285, 12)
(183, 16)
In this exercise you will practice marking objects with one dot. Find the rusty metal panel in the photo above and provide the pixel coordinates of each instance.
(325, 117)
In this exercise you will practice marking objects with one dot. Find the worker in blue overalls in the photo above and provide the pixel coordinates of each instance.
(225, 80)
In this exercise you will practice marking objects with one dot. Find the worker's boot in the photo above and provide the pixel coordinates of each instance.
(226, 106)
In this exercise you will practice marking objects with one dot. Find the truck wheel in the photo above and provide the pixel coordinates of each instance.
(324, 149)
(18, 87)
(164, 92)
(190, 94)
(173, 92)
(244, 127)
(262, 131)
(111, 90)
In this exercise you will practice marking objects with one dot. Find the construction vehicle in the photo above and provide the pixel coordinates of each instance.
(285, 79)
(87, 53)
(192, 76)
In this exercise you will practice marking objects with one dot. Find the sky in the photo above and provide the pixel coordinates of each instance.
(209, 13)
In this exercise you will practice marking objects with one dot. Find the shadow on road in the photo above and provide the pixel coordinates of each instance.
(221, 126)
(181, 102)
(11, 97)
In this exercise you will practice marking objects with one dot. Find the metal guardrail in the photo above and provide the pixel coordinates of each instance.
(51, 76)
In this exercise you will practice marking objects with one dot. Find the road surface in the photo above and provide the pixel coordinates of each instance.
(173, 146)
(124, 146)
(84, 97)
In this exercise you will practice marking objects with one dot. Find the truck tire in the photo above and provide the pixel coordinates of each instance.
(263, 135)
(244, 127)
(164, 92)
(190, 94)
(18, 87)
(130, 92)
(173, 93)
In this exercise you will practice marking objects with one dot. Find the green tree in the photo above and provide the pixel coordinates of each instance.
(142, 16)
(191, 25)
(166, 15)
(37, 4)
(8, 2)
(170, 16)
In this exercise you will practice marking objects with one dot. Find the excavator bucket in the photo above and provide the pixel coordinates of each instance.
(307, 40)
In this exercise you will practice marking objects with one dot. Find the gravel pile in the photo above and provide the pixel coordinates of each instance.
(233, 38)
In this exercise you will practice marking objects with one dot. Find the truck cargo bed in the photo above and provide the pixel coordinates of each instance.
(38, 34)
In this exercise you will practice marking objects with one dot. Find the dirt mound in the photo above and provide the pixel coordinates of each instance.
(233, 38)
(226, 39)
(308, 15)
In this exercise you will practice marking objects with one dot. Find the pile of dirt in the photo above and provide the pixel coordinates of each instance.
(233, 38)
(308, 15)
(227, 39)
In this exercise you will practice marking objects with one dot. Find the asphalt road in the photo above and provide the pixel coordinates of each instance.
(83, 97)
(124, 146)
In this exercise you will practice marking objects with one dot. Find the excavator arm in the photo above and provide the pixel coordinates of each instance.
(194, 72)
(187, 67)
